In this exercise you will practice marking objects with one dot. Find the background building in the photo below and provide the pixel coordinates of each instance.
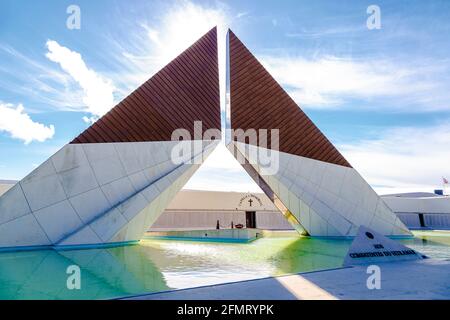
(421, 209)
(192, 209)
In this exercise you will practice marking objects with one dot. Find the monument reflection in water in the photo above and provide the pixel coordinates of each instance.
(159, 265)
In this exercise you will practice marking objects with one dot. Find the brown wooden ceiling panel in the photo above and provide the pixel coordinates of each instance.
(259, 102)
(184, 91)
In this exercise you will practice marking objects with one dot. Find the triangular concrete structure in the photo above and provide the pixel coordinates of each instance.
(311, 183)
(113, 181)
(370, 247)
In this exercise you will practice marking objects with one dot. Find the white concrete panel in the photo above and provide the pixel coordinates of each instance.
(327, 198)
(321, 209)
(108, 224)
(139, 180)
(13, 205)
(119, 190)
(317, 225)
(317, 171)
(307, 168)
(42, 187)
(285, 181)
(307, 197)
(339, 223)
(58, 220)
(44, 170)
(333, 178)
(384, 227)
(136, 156)
(163, 201)
(78, 180)
(296, 164)
(296, 189)
(311, 190)
(31, 233)
(273, 183)
(155, 172)
(344, 207)
(90, 205)
(400, 228)
(152, 215)
(361, 217)
(107, 170)
(163, 169)
(99, 151)
(284, 194)
(136, 228)
(369, 200)
(161, 153)
(283, 160)
(131, 207)
(167, 166)
(382, 210)
(150, 193)
(163, 183)
(333, 232)
(69, 157)
(350, 190)
(293, 205)
(174, 175)
(84, 236)
(121, 235)
(305, 216)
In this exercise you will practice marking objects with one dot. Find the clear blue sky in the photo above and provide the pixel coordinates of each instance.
(382, 96)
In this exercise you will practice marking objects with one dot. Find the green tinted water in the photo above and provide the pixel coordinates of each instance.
(158, 265)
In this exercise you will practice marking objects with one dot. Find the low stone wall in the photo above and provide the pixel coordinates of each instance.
(244, 235)
(195, 220)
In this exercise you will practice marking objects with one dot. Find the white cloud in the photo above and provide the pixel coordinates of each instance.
(98, 92)
(155, 43)
(330, 81)
(403, 159)
(39, 82)
(242, 14)
(16, 122)
(183, 24)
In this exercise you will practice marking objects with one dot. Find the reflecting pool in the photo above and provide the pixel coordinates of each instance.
(159, 265)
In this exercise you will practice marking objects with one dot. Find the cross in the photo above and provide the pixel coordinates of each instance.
(250, 201)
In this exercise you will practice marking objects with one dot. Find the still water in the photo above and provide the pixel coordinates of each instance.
(159, 265)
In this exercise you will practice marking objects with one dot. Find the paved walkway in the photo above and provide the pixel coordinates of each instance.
(424, 279)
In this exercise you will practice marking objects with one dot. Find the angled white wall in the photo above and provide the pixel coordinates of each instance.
(326, 199)
(95, 193)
